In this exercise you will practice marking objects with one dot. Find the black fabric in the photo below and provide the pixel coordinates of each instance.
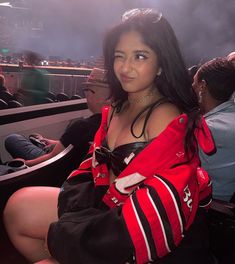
(78, 193)
(115, 159)
(79, 133)
(194, 248)
(93, 233)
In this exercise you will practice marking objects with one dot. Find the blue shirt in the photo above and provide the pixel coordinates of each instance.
(221, 165)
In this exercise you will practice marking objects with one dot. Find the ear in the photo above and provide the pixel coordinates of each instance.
(159, 71)
(203, 86)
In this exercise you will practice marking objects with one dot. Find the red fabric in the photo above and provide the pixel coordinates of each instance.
(204, 137)
(152, 213)
(134, 228)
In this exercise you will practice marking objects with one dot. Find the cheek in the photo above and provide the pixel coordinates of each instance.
(116, 67)
(150, 68)
(196, 89)
(98, 98)
(88, 98)
(149, 73)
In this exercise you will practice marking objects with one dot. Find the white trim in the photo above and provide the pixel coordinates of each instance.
(142, 230)
(160, 220)
(175, 203)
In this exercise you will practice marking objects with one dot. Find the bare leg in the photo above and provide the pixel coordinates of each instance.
(47, 261)
(27, 217)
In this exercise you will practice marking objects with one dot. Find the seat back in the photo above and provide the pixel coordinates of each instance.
(14, 104)
(75, 96)
(47, 100)
(3, 104)
(6, 96)
(52, 96)
(60, 97)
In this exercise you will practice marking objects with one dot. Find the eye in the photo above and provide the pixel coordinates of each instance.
(140, 56)
(86, 90)
(118, 55)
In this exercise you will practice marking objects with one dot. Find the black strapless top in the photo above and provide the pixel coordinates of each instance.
(120, 157)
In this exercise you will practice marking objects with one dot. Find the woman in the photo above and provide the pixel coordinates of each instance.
(214, 83)
(136, 195)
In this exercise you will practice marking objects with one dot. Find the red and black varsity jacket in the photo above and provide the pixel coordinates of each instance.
(155, 198)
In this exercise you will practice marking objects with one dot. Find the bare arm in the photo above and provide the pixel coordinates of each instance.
(56, 150)
(47, 261)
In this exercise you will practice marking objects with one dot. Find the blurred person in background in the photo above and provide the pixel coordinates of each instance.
(35, 82)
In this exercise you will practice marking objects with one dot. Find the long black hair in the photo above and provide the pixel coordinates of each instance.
(174, 81)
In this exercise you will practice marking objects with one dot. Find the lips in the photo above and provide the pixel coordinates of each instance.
(125, 79)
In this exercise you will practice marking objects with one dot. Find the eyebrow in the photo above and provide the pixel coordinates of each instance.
(135, 51)
(118, 51)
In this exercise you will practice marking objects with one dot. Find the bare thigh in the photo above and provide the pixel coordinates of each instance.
(30, 210)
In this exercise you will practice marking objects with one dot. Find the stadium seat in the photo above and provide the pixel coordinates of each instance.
(6, 96)
(14, 104)
(47, 100)
(51, 95)
(75, 96)
(3, 104)
(60, 97)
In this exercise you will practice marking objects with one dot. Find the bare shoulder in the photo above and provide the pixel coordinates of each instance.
(166, 111)
(160, 119)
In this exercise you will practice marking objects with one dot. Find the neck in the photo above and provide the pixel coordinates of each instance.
(140, 100)
(211, 104)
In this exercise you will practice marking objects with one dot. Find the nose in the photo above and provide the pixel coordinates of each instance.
(127, 65)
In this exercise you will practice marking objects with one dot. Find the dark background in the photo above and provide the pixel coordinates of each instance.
(75, 28)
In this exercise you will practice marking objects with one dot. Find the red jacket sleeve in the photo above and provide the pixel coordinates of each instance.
(160, 211)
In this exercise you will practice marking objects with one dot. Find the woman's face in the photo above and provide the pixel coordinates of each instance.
(135, 64)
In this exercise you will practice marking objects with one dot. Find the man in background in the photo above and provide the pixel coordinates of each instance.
(79, 133)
